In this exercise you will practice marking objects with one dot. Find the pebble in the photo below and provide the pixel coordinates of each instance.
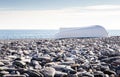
(34, 73)
(60, 74)
(1, 64)
(48, 71)
(19, 64)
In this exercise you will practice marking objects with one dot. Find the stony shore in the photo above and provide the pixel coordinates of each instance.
(75, 57)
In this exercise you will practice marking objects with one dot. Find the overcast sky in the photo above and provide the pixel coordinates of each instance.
(53, 14)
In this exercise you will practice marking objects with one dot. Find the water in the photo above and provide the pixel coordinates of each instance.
(113, 32)
(21, 34)
(18, 34)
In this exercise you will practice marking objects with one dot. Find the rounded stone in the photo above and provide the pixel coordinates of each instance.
(34, 73)
(19, 64)
(48, 71)
(1, 63)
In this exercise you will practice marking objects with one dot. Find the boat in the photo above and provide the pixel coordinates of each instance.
(78, 32)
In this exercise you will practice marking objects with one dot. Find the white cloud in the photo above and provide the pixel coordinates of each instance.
(103, 7)
(106, 15)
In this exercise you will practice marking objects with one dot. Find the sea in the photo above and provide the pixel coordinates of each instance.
(38, 34)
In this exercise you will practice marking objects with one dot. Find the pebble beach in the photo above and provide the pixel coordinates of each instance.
(73, 57)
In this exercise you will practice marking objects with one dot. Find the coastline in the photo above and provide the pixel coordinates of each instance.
(74, 57)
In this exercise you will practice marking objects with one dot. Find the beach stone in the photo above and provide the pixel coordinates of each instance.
(75, 66)
(74, 52)
(72, 75)
(69, 59)
(42, 58)
(104, 67)
(85, 66)
(12, 57)
(3, 73)
(18, 59)
(45, 50)
(34, 62)
(19, 64)
(80, 60)
(48, 71)
(116, 62)
(26, 60)
(25, 52)
(53, 54)
(112, 75)
(110, 59)
(67, 63)
(26, 75)
(38, 42)
(6, 62)
(109, 72)
(57, 58)
(15, 72)
(51, 64)
(12, 51)
(118, 70)
(38, 67)
(106, 75)
(84, 74)
(98, 74)
(14, 76)
(34, 73)
(5, 69)
(101, 57)
(60, 74)
(64, 68)
(1, 64)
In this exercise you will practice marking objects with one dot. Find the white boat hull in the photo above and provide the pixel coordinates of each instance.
(93, 31)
